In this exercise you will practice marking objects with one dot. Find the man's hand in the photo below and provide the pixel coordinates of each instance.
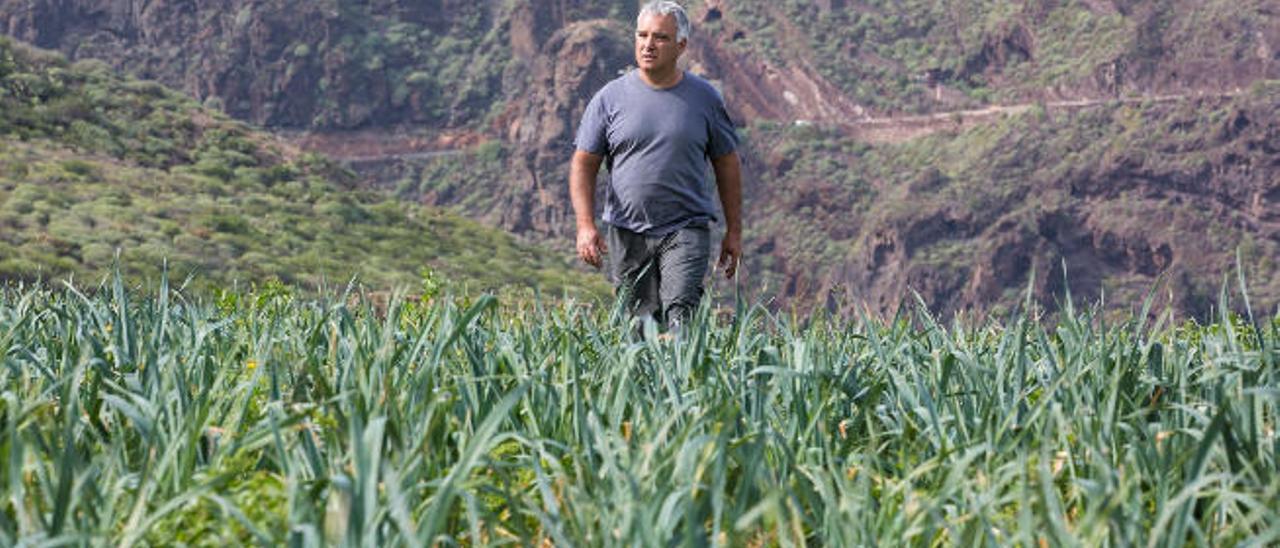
(730, 253)
(729, 183)
(591, 247)
(582, 190)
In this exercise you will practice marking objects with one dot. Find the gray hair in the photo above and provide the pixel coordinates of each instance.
(667, 7)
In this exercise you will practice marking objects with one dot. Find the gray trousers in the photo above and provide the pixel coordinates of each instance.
(660, 276)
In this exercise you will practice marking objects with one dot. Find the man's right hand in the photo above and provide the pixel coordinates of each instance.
(582, 189)
(591, 247)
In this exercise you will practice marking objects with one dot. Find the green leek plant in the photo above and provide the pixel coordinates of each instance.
(133, 418)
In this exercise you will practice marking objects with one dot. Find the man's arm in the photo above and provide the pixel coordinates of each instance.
(582, 192)
(729, 184)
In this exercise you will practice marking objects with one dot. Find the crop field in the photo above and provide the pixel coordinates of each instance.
(133, 417)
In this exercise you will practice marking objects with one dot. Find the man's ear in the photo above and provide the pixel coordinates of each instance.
(683, 44)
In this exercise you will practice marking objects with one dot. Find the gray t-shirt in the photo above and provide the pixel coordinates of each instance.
(657, 143)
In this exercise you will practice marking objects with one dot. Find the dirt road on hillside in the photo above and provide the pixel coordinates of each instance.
(382, 145)
(379, 146)
(898, 129)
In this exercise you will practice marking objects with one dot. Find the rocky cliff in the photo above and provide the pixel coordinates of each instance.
(1109, 202)
(575, 61)
(289, 63)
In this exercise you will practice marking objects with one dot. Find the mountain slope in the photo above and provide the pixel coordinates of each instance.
(928, 55)
(1121, 196)
(484, 97)
(300, 64)
(91, 164)
(303, 63)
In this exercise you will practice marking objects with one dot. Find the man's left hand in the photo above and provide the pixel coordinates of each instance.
(730, 253)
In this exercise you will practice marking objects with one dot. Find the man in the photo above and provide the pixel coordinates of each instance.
(656, 129)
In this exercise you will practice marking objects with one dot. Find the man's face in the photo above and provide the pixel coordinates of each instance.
(656, 45)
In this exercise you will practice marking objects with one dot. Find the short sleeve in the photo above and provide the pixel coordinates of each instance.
(723, 139)
(593, 129)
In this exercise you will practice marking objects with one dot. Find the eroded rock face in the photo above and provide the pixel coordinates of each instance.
(276, 63)
(1128, 218)
(305, 64)
(574, 63)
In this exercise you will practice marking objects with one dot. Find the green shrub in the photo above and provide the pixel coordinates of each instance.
(228, 224)
(81, 169)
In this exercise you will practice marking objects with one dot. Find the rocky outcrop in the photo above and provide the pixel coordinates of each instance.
(1168, 212)
(280, 63)
(573, 64)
